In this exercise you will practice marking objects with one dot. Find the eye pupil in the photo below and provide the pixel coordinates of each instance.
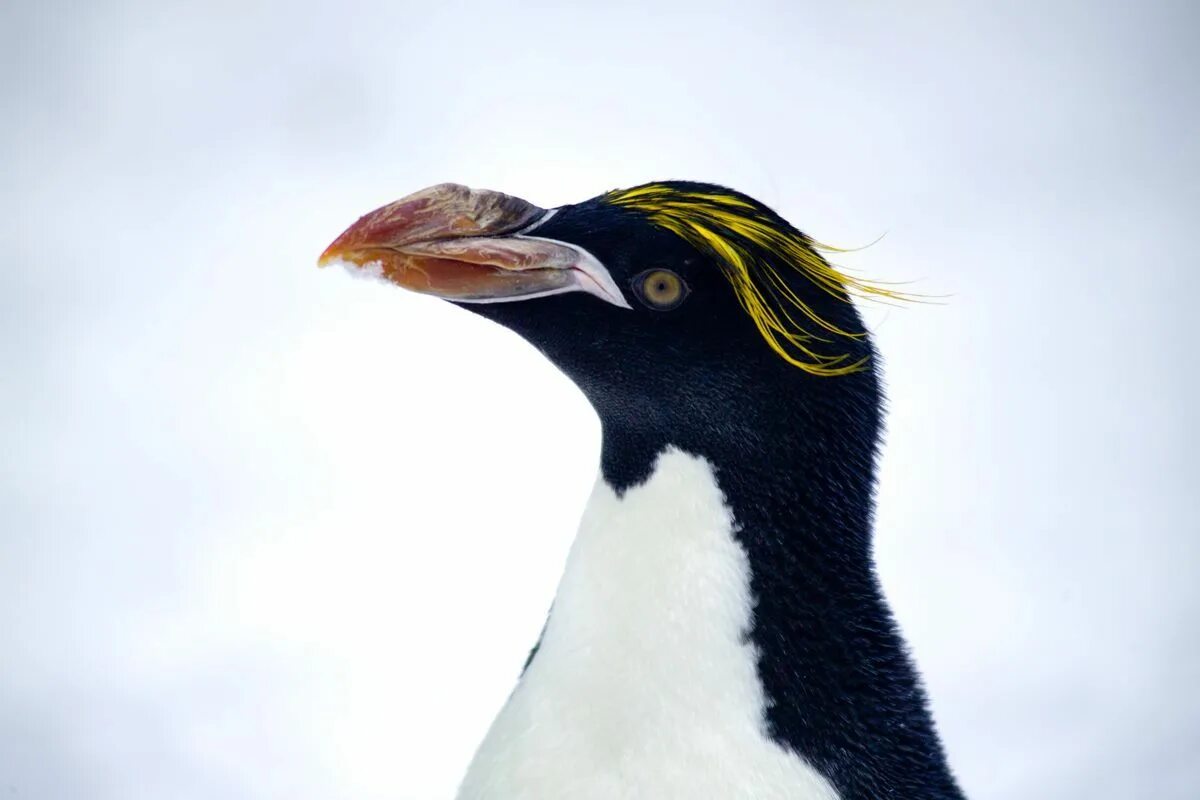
(660, 289)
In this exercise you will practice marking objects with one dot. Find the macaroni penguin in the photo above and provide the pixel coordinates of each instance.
(719, 630)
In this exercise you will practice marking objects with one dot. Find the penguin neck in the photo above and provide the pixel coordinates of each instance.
(836, 684)
(803, 518)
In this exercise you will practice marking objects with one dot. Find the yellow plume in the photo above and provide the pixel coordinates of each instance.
(751, 246)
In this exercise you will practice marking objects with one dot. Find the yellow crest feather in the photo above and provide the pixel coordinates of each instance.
(740, 236)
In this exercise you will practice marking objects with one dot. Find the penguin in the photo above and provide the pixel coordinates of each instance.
(719, 630)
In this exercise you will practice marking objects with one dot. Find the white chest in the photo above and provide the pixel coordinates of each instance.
(645, 685)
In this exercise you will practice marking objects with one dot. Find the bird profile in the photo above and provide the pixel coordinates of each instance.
(719, 630)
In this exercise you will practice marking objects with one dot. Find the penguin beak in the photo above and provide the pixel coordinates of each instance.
(468, 246)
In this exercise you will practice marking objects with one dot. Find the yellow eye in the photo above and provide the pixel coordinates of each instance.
(660, 289)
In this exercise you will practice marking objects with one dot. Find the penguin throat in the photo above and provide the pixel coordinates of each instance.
(646, 660)
(723, 613)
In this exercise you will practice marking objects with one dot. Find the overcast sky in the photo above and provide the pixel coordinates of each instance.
(266, 532)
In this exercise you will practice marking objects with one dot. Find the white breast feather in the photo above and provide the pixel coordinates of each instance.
(645, 685)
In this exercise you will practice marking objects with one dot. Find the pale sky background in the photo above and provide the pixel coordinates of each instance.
(267, 532)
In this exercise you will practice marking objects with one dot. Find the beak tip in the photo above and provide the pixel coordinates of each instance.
(333, 254)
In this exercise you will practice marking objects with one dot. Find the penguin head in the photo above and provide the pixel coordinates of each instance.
(672, 305)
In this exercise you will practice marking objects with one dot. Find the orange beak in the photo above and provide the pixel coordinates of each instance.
(466, 245)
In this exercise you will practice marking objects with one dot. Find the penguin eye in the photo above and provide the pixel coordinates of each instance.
(660, 289)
